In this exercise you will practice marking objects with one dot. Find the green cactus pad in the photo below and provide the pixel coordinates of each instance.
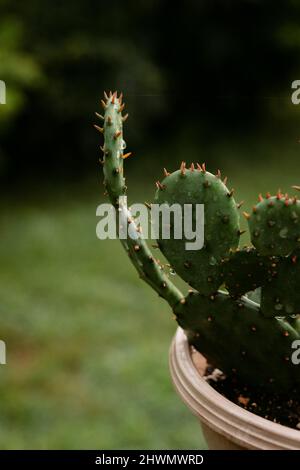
(275, 225)
(281, 295)
(200, 268)
(239, 340)
(245, 270)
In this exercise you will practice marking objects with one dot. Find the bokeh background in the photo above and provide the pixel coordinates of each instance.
(207, 80)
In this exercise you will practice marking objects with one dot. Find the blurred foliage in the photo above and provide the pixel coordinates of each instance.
(189, 73)
(18, 69)
(206, 80)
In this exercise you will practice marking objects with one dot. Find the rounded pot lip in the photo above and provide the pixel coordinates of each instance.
(220, 414)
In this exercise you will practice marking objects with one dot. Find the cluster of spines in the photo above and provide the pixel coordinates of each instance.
(279, 197)
(202, 169)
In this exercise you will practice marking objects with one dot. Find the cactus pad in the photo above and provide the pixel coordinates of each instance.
(221, 219)
(275, 225)
(255, 349)
(281, 295)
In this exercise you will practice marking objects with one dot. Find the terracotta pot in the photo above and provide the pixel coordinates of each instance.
(224, 424)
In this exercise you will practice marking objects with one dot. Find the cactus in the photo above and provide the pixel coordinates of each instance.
(246, 339)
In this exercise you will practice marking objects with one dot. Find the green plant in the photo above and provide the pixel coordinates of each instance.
(248, 339)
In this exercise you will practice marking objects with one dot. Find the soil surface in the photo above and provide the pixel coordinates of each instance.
(279, 409)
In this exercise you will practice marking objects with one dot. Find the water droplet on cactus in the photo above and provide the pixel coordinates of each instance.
(123, 144)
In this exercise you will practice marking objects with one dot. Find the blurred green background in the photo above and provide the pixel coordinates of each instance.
(87, 341)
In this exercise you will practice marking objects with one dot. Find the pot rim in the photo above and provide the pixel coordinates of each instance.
(220, 414)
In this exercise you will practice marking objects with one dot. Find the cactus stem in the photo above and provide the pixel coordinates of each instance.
(126, 155)
(100, 129)
(166, 173)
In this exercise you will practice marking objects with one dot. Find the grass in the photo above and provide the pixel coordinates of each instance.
(87, 341)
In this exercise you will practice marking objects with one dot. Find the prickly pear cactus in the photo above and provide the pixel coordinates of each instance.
(250, 340)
